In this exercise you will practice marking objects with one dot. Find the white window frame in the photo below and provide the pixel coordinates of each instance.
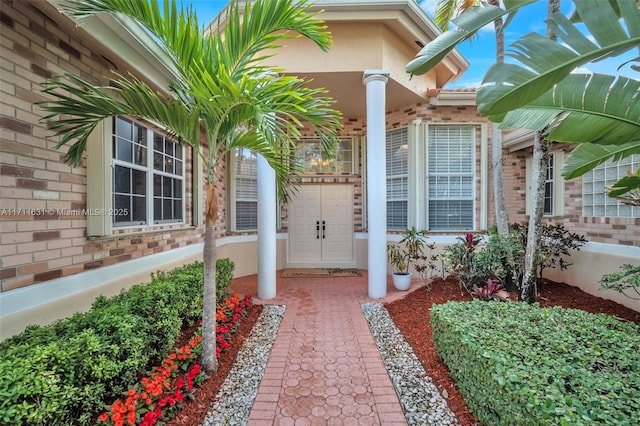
(233, 200)
(557, 199)
(100, 167)
(404, 145)
(354, 157)
(473, 174)
(594, 194)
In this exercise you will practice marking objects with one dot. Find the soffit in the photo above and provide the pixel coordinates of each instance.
(128, 41)
(349, 92)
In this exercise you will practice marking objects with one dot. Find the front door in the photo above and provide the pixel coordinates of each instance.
(321, 226)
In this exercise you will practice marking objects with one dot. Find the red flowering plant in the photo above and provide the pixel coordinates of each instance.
(158, 397)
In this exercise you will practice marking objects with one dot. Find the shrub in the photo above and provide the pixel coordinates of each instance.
(627, 279)
(501, 259)
(519, 364)
(224, 275)
(61, 373)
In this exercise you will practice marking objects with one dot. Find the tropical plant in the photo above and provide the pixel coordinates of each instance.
(220, 90)
(425, 265)
(509, 89)
(491, 291)
(627, 279)
(459, 260)
(409, 249)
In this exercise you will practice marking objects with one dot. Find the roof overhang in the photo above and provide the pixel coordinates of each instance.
(129, 41)
(517, 139)
(454, 97)
(405, 17)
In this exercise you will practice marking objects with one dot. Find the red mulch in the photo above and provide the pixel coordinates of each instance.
(412, 314)
(194, 412)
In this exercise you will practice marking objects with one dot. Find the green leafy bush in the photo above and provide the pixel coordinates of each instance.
(501, 259)
(224, 275)
(625, 281)
(519, 364)
(65, 372)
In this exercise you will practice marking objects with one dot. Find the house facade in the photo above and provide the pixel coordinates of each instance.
(411, 154)
(611, 228)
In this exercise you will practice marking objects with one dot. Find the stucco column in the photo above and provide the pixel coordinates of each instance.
(375, 82)
(266, 230)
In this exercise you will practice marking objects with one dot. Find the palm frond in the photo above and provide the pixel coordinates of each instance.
(587, 156)
(248, 34)
(467, 24)
(176, 30)
(545, 62)
(78, 106)
(591, 108)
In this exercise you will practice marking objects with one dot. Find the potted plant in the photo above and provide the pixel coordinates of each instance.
(401, 255)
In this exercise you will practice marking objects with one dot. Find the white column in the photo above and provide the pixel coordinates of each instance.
(375, 82)
(266, 230)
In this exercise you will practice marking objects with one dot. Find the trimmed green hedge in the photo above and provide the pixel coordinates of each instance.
(519, 364)
(65, 372)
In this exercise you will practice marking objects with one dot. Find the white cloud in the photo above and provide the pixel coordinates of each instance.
(582, 70)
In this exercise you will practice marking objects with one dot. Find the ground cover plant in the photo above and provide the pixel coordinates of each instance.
(63, 373)
(159, 396)
(412, 315)
(519, 364)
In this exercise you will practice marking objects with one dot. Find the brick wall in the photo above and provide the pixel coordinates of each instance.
(398, 118)
(38, 239)
(610, 230)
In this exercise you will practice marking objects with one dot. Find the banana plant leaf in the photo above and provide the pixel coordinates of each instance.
(545, 62)
(467, 24)
(586, 156)
(584, 108)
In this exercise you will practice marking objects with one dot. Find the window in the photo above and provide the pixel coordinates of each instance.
(245, 188)
(397, 152)
(553, 185)
(147, 176)
(314, 159)
(548, 188)
(450, 160)
(595, 201)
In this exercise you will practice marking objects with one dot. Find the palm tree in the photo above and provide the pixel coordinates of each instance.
(220, 90)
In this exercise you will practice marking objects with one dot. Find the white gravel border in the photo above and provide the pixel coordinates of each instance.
(235, 398)
(420, 397)
(422, 401)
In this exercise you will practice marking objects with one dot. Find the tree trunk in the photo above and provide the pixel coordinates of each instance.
(538, 174)
(209, 358)
(502, 218)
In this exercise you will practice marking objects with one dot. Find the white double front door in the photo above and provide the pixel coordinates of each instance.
(321, 226)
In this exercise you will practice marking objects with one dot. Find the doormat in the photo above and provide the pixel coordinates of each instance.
(320, 272)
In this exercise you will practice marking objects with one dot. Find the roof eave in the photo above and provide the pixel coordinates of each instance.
(131, 42)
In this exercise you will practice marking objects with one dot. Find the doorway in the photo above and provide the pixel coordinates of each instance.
(321, 226)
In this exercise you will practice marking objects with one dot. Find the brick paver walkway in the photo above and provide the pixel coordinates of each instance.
(324, 367)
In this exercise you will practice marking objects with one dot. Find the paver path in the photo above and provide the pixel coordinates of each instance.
(324, 367)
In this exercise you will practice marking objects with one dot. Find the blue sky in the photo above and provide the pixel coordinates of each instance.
(480, 51)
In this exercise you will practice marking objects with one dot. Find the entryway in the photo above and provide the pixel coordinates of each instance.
(321, 226)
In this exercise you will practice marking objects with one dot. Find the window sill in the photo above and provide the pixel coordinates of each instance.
(122, 235)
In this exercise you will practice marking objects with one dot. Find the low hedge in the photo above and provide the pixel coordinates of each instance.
(519, 364)
(64, 373)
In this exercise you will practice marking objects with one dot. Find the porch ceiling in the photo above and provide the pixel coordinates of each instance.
(349, 92)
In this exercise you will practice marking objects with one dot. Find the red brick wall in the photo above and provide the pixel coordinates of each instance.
(38, 241)
(610, 230)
